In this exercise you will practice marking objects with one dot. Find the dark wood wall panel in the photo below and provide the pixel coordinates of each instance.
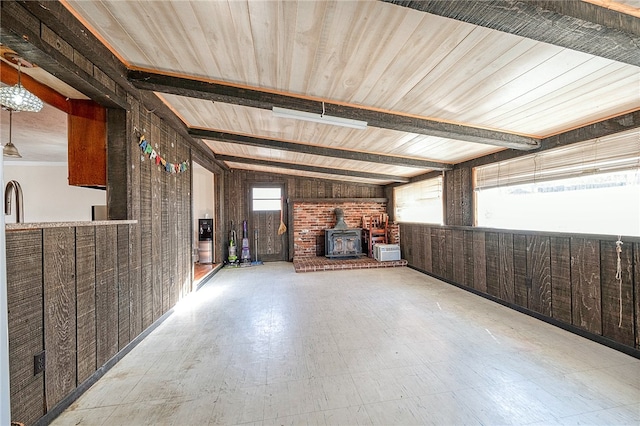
(156, 222)
(457, 197)
(466, 195)
(458, 194)
(425, 235)
(106, 293)
(539, 272)
(167, 215)
(406, 250)
(636, 280)
(492, 252)
(436, 253)
(458, 260)
(86, 301)
(134, 128)
(419, 249)
(562, 306)
(25, 301)
(124, 292)
(450, 209)
(617, 293)
(469, 266)
(505, 275)
(585, 284)
(447, 248)
(145, 220)
(571, 279)
(179, 224)
(520, 282)
(59, 313)
(479, 262)
(165, 265)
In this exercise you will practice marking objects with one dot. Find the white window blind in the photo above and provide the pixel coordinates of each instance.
(617, 152)
(419, 202)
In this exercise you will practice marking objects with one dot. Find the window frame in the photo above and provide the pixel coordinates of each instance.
(279, 199)
(433, 185)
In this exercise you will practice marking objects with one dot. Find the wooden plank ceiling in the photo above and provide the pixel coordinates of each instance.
(438, 82)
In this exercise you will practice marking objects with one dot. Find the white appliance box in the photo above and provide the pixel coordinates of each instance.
(386, 252)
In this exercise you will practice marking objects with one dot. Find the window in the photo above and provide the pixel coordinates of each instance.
(266, 199)
(419, 202)
(589, 187)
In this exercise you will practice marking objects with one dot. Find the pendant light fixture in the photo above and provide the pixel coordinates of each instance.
(17, 98)
(10, 150)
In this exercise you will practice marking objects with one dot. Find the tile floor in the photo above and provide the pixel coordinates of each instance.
(267, 346)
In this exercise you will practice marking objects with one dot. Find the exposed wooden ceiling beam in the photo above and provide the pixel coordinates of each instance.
(256, 98)
(314, 169)
(317, 150)
(600, 129)
(21, 32)
(22, 29)
(572, 24)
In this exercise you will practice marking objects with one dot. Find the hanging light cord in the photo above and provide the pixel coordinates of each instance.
(619, 276)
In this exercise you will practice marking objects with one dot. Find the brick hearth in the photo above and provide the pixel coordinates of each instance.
(313, 264)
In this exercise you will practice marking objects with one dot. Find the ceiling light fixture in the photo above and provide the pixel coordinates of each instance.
(17, 98)
(319, 118)
(10, 150)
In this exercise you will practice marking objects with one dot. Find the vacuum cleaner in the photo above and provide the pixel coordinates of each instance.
(233, 249)
(245, 257)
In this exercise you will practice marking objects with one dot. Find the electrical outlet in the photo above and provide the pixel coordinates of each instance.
(528, 282)
(38, 363)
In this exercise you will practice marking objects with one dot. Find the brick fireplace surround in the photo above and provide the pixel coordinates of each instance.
(312, 217)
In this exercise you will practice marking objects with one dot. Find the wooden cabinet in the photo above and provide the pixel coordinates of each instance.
(87, 136)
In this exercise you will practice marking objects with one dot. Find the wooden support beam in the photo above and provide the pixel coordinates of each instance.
(573, 24)
(21, 31)
(314, 169)
(600, 129)
(317, 150)
(22, 27)
(257, 98)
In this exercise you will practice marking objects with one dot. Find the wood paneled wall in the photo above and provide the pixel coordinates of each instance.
(570, 279)
(69, 296)
(458, 197)
(82, 294)
(236, 196)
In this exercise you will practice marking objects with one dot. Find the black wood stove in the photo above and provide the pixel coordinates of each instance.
(342, 241)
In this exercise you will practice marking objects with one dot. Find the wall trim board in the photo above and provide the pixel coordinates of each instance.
(209, 276)
(336, 200)
(568, 327)
(602, 237)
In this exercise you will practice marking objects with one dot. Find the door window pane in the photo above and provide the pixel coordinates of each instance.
(266, 199)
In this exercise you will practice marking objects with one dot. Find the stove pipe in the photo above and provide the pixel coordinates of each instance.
(340, 223)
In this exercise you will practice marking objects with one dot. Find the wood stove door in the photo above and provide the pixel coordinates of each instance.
(266, 219)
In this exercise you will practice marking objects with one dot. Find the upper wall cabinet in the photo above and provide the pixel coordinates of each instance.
(87, 144)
